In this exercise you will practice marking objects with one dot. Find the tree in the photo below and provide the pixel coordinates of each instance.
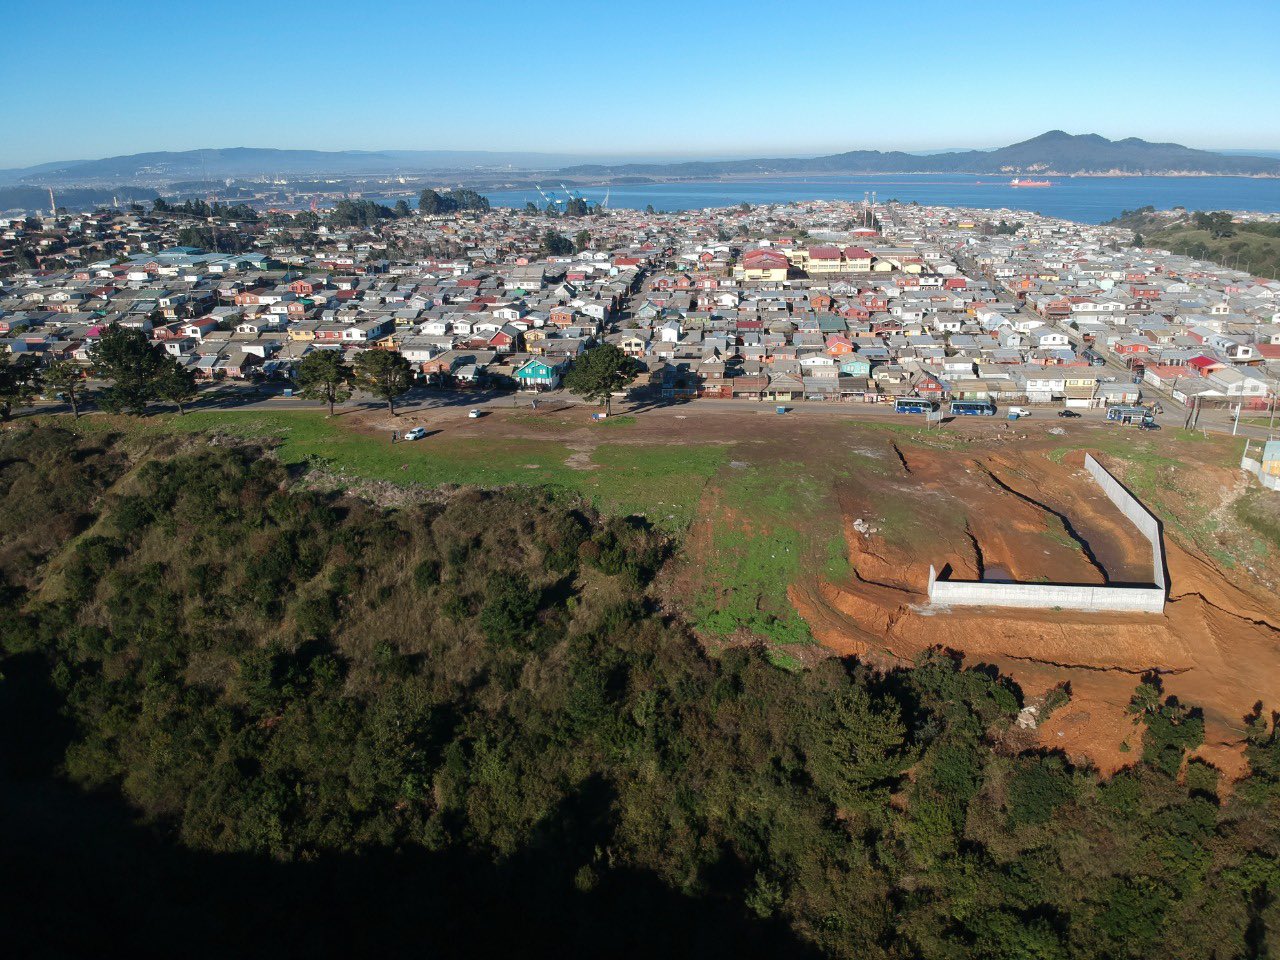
(649, 209)
(429, 203)
(1218, 223)
(384, 374)
(859, 751)
(176, 384)
(19, 383)
(576, 207)
(401, 208)
(531, 208)
(510, 607)
(359, 213)
(582, 240)
(67, 377)
(556, 244)
(127, 359)
(599, 373)
(323, 376)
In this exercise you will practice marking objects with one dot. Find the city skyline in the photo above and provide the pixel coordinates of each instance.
(671, 82)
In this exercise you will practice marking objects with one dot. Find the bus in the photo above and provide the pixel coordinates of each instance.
(973, 408)
(913, 405)
(1123, 413)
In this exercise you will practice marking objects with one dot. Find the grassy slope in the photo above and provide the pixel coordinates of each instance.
(662, 482)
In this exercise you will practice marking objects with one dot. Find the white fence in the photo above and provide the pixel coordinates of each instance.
(1140, 599)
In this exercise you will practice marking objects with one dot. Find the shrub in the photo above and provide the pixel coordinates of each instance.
(510, 607)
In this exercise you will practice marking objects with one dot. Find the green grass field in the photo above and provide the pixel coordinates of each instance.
(660, 481)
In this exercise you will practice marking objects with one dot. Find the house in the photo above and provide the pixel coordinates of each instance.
(855, 366)
(504, 340)
(632, 346)
(539, 374)
(199, 329)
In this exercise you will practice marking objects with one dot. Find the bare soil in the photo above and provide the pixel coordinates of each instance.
(981, 498)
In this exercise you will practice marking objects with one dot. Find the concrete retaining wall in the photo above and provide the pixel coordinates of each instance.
(1138, 515)
(1255, 467)
(976, 593)
(1140, 599)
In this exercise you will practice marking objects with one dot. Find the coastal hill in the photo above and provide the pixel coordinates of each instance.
(1054, 152)
(161, 167)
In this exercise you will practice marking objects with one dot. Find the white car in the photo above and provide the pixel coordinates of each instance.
(417, 433)
(474, 414)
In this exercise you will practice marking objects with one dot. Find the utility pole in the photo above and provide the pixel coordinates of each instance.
(1236, 425)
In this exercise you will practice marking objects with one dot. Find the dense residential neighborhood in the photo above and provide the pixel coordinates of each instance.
(821, 301)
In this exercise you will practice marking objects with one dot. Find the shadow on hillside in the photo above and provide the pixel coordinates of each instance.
(87, 880)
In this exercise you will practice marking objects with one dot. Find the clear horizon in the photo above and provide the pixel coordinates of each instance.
(725, 83)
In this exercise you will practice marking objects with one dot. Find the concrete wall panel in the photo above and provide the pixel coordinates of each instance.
(981, 593)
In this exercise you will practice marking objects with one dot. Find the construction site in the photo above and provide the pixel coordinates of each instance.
(816, 536)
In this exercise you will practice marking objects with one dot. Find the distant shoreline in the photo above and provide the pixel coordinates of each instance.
(737, 177)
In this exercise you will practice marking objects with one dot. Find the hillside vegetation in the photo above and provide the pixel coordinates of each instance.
(1253, 247)
(243, 718)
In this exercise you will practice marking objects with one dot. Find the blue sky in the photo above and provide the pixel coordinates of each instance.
(84, 80)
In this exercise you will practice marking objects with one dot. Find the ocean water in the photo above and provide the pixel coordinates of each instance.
(1084, 199)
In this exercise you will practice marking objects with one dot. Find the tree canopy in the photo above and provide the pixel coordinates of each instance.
(556, 244)
(324, 375)
(132, 365)
(432, 202)
(19, 383)
(599, 373)
(385, 374)
(67, 378)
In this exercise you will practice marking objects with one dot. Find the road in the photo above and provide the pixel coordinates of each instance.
(247, 398)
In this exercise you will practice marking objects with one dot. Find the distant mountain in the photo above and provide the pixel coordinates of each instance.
(1054, 152)
(163, 167)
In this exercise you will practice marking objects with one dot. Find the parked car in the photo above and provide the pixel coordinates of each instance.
(1016, 412)
(417, 433)
(474, 414)
(1068, 414)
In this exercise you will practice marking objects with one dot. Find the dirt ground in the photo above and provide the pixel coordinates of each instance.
(981, 498)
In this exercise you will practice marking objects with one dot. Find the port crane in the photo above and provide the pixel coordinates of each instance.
(551, 198)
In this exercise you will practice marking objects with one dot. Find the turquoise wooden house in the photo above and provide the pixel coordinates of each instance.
(539, 375)
(854, 366)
